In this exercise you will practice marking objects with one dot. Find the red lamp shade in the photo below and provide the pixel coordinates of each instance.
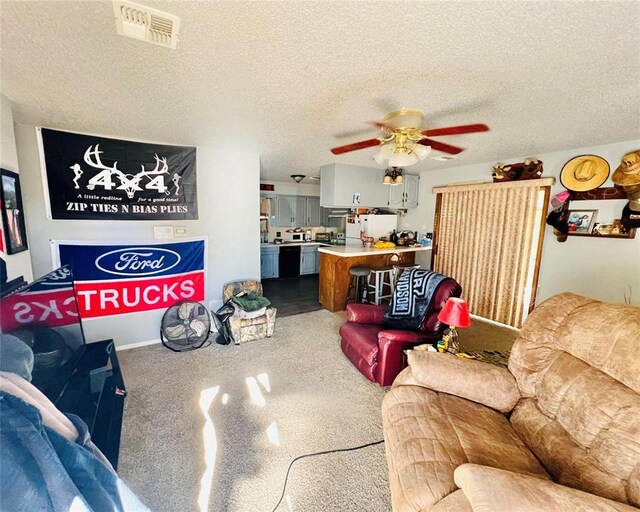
(455, 313)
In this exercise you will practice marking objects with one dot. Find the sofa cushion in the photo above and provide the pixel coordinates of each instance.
(600, 334)
(429, 434)
(608, 467)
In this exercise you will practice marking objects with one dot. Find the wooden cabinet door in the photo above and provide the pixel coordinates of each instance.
(411, 190)
(299, 210)
(284, 214)
(268, 265)
(396, 196)
(313, 212)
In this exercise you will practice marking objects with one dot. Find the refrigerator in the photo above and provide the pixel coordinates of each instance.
(373, 225)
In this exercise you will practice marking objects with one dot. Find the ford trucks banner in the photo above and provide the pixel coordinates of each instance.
(114, 279)
(91, 177)
(49, 302)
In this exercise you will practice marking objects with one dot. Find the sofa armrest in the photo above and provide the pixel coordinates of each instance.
(473, 380)
(489, 488)
(365, 314)
(408, 337)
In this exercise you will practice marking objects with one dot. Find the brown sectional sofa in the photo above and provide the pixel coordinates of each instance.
(560, 430)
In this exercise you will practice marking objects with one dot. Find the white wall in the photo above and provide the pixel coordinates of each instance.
(17, 264)
(228, 206)
(598, 268)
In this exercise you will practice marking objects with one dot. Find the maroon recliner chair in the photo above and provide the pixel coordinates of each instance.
(378, 352)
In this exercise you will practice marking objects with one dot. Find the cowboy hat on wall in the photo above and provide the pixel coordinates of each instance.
(584, 173)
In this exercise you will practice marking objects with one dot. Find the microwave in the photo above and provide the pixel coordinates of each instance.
(293, 237)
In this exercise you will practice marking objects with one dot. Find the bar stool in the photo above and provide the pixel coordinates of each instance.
(358, 281)
(398, 270)
(381, 276)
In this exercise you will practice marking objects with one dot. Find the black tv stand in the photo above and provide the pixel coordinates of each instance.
(95, 392)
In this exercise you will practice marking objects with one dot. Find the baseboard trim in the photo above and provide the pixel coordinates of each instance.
(137, 345)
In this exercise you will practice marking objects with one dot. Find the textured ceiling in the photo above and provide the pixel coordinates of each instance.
(283, 78)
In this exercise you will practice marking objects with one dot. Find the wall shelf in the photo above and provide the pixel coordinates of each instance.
(629, 235)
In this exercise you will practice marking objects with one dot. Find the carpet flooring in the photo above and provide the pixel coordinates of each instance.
(229, 419)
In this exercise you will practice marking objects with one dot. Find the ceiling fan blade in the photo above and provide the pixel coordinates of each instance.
(355, 146)
(441, 146)
(460, 108)
(352, 133)
(456, 130)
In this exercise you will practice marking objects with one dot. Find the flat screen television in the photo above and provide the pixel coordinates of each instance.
(44, 315)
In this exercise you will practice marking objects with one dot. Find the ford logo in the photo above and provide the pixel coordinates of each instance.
(138, 261)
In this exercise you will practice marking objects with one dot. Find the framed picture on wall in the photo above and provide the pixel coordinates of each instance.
(581, 221)
(15, 233)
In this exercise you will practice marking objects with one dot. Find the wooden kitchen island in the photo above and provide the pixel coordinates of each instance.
(335, 262)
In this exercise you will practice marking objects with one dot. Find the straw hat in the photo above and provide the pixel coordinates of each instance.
(584, 173)
(629, 171)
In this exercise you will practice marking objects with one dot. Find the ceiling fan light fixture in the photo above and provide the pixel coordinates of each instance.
(421, 151)
(297, 177)
(403, 159)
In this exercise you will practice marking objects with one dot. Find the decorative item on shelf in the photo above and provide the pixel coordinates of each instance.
(456, 315)
(298, 177)
(530, 169)
(585, 172)
(393, 176)
(581, 221)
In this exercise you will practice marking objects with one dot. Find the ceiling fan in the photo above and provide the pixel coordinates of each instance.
(403, 142)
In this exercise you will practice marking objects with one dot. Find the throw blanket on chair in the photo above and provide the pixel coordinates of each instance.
(412, 298)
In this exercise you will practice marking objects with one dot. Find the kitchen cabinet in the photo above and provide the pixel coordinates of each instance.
(352, 186)
(269, 262)
(405, 195)
(284, 211)
(309, 260)
(313, 212)
(296, 211)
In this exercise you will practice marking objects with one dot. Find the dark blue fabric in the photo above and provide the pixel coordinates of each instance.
(41, 470)
(412, 298)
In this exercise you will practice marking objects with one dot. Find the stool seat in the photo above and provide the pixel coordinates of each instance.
(378, 279)
(358, 284)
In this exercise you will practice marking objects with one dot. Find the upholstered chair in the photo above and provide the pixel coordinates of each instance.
(377, 351)
(249, 329)
(558, 431)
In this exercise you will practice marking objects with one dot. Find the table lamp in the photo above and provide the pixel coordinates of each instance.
(456, 315)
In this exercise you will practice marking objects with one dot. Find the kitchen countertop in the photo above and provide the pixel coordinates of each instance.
(356, 250)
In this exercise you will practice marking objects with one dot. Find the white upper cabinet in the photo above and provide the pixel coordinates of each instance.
(411, 190)
(405, 195)
(396, 196)
(352, 186)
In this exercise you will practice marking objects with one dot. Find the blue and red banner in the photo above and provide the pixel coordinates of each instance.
(114, 279)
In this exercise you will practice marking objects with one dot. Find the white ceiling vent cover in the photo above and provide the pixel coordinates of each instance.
(146, 24)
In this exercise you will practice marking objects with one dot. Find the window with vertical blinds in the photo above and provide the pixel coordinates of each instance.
(488, 237)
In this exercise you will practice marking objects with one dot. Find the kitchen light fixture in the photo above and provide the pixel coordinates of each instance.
(401, 154)
(393, 176)
(297, 177)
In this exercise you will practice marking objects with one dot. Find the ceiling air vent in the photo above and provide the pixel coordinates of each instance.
(146, 24)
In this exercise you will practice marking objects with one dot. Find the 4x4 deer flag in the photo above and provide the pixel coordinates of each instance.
(91, 177)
